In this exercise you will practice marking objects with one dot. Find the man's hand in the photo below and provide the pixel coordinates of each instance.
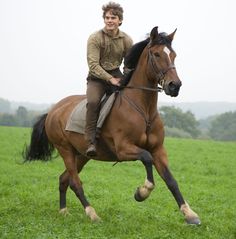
(115, 81)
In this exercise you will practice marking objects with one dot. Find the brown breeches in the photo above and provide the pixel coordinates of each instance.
(96, 88)
(95, 91)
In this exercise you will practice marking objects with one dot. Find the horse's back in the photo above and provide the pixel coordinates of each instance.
(58, 115)
(69, 101)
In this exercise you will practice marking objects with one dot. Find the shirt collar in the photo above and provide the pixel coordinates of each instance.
(119, 33)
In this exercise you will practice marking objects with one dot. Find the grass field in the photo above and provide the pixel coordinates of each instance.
(29, 198)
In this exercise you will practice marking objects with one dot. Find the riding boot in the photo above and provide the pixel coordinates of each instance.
(91, 151)
(90, 133)
(91, 140)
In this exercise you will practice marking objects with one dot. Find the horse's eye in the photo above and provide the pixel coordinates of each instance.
(156, 54)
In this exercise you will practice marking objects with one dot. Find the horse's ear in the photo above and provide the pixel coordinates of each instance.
(171, 36)
(154, 33)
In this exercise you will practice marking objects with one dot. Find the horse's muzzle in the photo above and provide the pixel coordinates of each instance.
(172, 88)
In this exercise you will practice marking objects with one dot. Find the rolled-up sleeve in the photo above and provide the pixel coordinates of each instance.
(93, 59)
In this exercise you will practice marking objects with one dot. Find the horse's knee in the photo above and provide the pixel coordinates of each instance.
(79, 192)
(146, 158)
(63, 181)
(169, 179)
(77, 188)
(73, 185)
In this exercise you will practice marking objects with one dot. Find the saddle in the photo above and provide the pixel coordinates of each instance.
(77, 120)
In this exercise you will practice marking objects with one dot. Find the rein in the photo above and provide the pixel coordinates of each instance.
(158, 89)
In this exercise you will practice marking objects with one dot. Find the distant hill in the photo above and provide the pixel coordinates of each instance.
(10, 107)
(30, 106)
(202, 110)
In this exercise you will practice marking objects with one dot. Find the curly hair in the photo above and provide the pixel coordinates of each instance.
(115, 8)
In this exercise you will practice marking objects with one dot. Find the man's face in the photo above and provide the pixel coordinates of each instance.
(111, 21)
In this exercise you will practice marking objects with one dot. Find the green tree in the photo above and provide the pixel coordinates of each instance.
(5, 106)
(22, 116)
(176, 118)
(224, 127)
(7, 120)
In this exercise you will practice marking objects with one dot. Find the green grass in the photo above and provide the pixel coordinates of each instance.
(29, 198)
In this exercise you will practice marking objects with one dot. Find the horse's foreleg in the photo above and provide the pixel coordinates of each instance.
(144, 191)
(128, 152)
(161, 165)
(72, 166)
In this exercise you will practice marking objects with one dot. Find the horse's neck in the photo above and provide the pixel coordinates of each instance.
(146, 99)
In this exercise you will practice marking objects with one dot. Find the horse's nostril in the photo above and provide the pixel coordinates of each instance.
(172, 86)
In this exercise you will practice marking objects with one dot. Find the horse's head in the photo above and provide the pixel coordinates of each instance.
(161, 58)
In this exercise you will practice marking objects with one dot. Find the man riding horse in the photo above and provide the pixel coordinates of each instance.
(106, 49)
(133, 130)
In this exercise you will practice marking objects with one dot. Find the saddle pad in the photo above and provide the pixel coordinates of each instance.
(77, 119)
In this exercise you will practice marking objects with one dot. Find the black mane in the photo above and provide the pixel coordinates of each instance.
(132, 57)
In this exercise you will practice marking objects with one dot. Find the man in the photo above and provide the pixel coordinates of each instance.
(106, 49)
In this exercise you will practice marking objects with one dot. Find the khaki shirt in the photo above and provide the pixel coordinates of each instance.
(106, 53)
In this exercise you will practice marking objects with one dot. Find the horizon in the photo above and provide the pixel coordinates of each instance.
(201, 110)
(159, 101)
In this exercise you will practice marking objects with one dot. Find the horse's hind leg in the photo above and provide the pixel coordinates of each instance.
(161, 165)
(70, 178)
(63, 185)
(64, 182)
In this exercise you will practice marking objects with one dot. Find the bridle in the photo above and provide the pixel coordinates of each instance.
(159, 74)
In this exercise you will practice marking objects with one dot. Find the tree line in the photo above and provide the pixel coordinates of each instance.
(177, 123)
(184, 125)
(22, 117)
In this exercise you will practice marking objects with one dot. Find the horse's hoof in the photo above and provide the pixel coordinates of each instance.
(96, 219)
(193, 221)
(64, 211)
(138, 197)
(191, 217)
(91, 213)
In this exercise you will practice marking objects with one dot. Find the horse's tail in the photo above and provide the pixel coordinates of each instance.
(39, 148)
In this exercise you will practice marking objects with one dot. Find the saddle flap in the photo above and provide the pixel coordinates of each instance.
(77, 120)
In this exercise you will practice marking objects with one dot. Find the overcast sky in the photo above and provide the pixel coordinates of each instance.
(43, 45)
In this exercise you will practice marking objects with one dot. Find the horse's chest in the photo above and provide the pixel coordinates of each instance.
(148, 140)
(143, 139)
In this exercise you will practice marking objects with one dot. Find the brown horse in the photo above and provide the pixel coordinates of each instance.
(132, 131)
